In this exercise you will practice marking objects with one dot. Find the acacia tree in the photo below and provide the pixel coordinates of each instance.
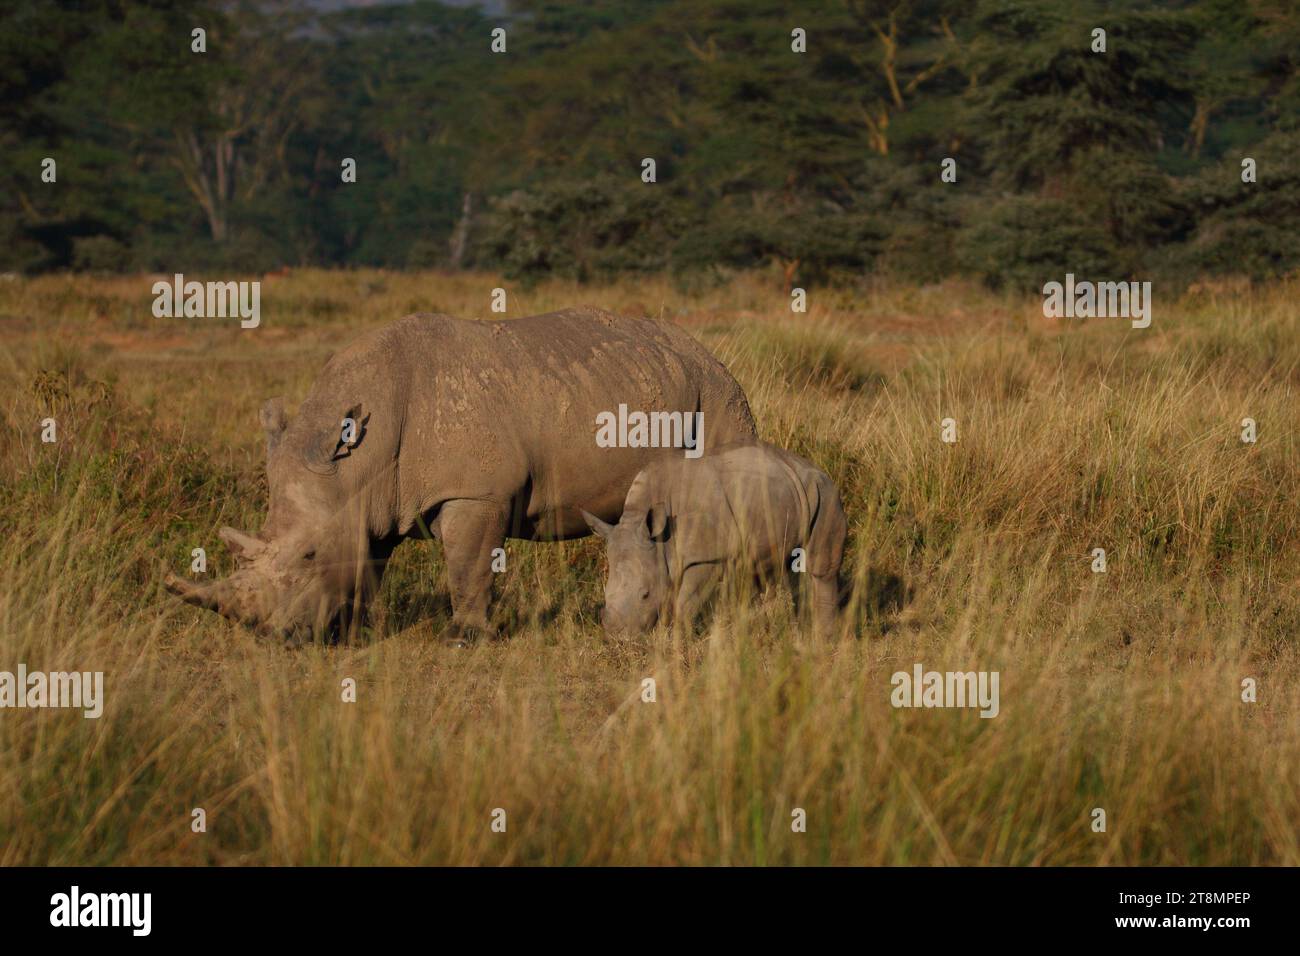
(221, 119)
(413, 83)
(911, 43)
(240, 140)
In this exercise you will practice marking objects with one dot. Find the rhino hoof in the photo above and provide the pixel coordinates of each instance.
(463, 635)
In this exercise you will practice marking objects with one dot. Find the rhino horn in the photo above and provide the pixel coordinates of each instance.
(240, 543)
(213, 597)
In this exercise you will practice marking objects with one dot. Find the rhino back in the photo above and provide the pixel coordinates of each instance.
(506, 410)
(748, 502)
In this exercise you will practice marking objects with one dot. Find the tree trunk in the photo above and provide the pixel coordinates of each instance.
(789, 268)
(1200, 124)
(460, 235)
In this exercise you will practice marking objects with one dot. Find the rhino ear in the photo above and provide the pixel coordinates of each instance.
(598, 527)
(656, 521)
(339, 441)
(243, 545)
(352, 428)
(274, 420)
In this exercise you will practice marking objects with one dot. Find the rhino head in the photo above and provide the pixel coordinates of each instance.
(313, 566)
(638, 588)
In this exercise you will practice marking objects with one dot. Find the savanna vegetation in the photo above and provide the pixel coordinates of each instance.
(824, 163)
(1120, 690)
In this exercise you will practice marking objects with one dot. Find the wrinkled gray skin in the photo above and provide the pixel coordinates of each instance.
(688, 525)
(477, 430)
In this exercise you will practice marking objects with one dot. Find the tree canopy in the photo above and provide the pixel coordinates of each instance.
(809, 141)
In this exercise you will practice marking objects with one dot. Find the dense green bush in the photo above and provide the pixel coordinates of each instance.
(581, 230)
(1249, 228)
(1023, 242)
(816, 165)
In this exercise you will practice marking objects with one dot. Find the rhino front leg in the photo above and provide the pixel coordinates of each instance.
(697, 586)
(470, 530)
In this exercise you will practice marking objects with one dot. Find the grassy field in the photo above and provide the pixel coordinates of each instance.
(1119, 690)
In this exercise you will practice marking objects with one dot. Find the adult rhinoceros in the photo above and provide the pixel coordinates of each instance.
(477, 430)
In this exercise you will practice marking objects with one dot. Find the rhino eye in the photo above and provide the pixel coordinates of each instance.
(645, 595)
(309, 555)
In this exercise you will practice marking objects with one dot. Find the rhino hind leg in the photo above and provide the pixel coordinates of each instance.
(826, 556)
(816, 596)
(470, 530)
(826, 605)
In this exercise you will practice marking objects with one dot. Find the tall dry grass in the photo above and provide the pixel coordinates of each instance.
(1119, 690)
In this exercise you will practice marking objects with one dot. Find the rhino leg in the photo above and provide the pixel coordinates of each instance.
(697, 585)
(798, 592)
(470, 530)
(825, 605)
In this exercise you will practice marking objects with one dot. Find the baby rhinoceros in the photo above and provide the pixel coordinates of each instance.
(688, 525)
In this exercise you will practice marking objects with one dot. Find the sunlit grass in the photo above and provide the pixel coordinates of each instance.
(1119, 690)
